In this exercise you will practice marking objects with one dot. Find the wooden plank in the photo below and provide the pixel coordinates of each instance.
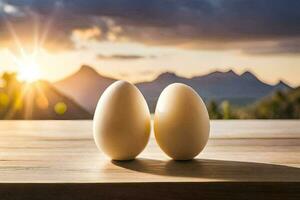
(240, 156)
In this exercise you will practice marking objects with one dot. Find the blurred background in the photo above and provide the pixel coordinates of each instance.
(241, 56)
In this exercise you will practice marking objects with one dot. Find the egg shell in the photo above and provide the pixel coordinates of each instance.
(181, 122)
(121, 121)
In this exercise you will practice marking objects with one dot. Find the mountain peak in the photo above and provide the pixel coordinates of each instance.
(248, 75)
(88, 72)
(167, 75)
(282, 85)
(220, 74)
(231, 72)
(86, 68)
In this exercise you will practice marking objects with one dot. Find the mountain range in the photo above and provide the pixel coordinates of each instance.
(86, 86)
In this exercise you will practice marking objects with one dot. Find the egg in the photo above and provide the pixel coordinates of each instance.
(121, 122)
(181, 122)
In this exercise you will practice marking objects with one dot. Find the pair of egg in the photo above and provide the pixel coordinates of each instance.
(122, 122)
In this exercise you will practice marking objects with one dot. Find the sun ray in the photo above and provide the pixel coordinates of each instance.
(15, 37)
(14, 58)
(48, 26)
(38, 40)
(28, 102)
(16, 104)
(42, 100)
(35, 36)
(28, 69)
(30, 73)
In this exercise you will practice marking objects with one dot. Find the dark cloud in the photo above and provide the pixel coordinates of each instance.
(200, 24)
(122, 57)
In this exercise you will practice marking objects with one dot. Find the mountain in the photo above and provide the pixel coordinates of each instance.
(38, 100)
(58, 105)
(86, 86)
(218, 86)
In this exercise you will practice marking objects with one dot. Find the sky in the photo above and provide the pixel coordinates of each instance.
(138, 39)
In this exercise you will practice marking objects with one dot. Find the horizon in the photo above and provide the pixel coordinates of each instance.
(178, 75)
(190, 38)
(157, 75)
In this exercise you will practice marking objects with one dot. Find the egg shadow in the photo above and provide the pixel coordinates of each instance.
(213, 169)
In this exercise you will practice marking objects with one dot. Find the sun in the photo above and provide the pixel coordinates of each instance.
(28, 70)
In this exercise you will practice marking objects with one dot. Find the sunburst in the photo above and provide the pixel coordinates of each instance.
(28, 68)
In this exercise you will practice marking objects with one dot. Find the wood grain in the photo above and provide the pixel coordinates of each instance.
(51, 158)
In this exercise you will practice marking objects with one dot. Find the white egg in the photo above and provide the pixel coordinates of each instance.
(181, 122)
(122, 121)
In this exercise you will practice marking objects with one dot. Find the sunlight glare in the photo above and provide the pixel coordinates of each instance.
(29, 70)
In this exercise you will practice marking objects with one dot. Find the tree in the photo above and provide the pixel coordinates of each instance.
(213, 110)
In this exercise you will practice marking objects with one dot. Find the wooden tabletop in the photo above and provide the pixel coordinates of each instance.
(56, 158)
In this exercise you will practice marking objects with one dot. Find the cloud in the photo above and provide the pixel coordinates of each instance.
(288, 47)
(196, 24)
(10, 9)
(86, 34)
(122, 57)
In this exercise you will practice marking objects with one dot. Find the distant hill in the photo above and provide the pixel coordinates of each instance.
(38, 100)
(59, 105)
(86, 86)
(218, 86)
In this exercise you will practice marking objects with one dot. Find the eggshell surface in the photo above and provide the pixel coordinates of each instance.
(121, 121)
(181, 122)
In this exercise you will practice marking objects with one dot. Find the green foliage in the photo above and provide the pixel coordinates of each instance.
(226, 110)
(213, 110)
(282, 105)
(222, 111)
(9, 93)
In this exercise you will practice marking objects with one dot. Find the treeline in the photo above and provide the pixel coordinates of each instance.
(11, 97)
(281, 105)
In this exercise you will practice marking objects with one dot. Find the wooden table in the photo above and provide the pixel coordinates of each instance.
(59, 160)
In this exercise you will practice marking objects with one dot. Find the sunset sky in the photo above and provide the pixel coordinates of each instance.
(138, 39)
